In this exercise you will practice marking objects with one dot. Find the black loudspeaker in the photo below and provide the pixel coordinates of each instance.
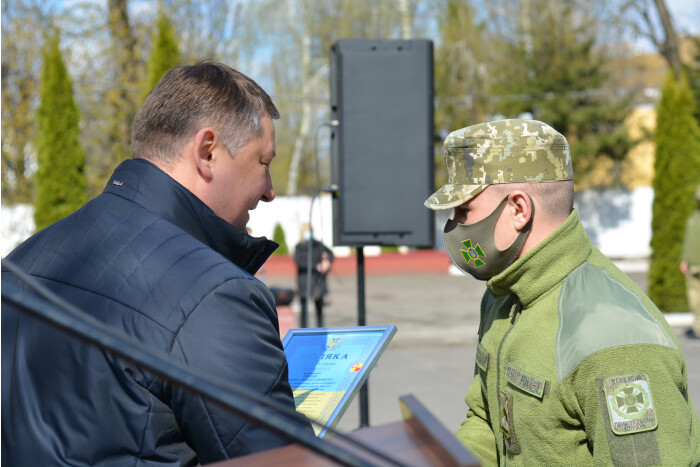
(382, 148)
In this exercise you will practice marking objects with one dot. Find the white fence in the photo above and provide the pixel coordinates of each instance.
(618, 221)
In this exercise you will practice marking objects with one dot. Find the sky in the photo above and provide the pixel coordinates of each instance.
(685, 15)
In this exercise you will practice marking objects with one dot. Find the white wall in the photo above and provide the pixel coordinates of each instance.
(292, 212)
(16, 225)
(618, 221)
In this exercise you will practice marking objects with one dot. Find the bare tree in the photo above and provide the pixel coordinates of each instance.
(299, 38)
(124, 96)
(667, 44)
(405, 14)
(305, 124)
(23, 23)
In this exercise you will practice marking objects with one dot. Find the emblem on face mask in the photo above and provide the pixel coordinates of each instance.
(473, 253)
(469, 256)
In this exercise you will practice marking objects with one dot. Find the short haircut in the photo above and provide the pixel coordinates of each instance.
(189, 98)
(553, 200)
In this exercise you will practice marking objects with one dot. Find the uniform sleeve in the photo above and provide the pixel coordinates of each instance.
(634, 404)
(475, 433)
(232, 335)
(685, 250)
(691, 240)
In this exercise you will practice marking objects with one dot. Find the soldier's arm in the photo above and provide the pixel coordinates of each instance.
(634, 404)
(475, 433)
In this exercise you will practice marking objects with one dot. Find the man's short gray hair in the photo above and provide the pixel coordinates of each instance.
(189, 98)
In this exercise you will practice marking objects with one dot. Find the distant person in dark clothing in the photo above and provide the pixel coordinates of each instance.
(321, 261)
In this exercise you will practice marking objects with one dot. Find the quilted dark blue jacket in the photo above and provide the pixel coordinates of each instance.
(150, 259)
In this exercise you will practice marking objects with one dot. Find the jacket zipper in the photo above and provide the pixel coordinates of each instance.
(515, 309)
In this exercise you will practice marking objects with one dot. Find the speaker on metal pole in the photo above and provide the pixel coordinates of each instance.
(382, 148)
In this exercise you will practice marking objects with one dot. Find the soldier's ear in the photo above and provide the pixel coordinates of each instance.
(522, 207)
(203, 152)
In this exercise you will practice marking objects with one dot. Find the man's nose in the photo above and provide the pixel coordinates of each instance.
(459, 216)
(269, 193)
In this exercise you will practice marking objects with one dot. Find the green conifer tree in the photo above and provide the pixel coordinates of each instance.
(676, 175)
(461, 87)
(165, 53)
(60, 178)
(693, 73)
(278, 236)
(555, 76)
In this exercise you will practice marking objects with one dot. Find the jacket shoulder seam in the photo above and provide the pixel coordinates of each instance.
(613, 316)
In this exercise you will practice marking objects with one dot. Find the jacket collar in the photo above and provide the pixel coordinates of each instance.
(145, 184)
(546, 265)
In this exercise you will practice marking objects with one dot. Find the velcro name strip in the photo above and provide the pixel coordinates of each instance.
(482, 357)
(523, 380)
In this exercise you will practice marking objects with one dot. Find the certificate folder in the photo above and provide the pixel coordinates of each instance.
(327, 367)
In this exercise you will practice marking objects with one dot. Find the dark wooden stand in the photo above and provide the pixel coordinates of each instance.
(419, 440)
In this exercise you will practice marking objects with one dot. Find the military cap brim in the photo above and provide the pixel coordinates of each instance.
(450, 196)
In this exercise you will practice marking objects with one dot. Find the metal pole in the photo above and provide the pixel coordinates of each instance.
(309, 276)
(364, 395)
(309, 272)
(305, 309)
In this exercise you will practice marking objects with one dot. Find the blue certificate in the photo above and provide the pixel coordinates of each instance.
(327, 366)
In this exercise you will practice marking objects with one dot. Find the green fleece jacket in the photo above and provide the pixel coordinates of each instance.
(576, 366)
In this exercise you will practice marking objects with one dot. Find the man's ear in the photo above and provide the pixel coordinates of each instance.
(203, 152)
(522, 207)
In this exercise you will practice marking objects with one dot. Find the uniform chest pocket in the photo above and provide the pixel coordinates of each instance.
(526, 382)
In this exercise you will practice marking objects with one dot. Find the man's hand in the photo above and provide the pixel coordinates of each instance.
(325, 265)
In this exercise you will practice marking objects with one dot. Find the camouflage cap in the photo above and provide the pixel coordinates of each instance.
(504, 151)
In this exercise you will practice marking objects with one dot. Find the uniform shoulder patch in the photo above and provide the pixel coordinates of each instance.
(630, 403)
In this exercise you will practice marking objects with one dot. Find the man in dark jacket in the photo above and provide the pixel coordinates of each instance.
(163, 256)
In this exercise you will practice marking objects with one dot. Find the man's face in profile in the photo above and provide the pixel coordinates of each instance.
(244, 179)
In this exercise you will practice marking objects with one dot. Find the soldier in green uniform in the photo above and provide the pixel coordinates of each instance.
(690, 264)
(575, 365)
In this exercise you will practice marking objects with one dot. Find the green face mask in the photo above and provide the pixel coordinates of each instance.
(472, 247)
